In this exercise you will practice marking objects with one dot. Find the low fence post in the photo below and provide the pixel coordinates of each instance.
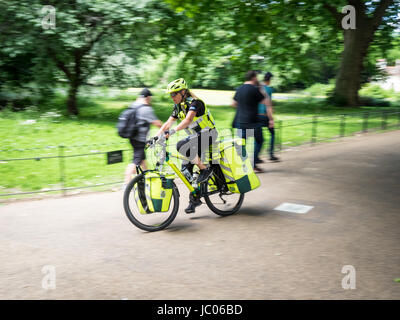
(342, 125)
(384, 120)
(314, 129)
(365, 121)
(62, 168)
(280, 134)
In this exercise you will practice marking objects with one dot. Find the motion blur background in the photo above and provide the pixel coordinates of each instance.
(67, 69)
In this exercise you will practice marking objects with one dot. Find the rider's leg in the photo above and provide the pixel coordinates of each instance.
(198, 163)
(206, 141)
(184, 147)
(188, 147)
(193, 200)
(202, 145)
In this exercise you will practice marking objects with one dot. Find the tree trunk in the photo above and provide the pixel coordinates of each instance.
(71, 102)
(356, 43)
(76, 81)
(348, 80)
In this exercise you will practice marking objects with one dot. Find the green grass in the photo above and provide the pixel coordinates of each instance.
(38, 132)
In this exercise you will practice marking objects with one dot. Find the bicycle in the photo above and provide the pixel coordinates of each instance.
(212, 189)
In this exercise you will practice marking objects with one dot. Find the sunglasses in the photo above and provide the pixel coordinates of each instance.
(173, 94)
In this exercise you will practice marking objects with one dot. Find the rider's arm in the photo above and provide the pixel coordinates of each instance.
(234, 103)
(166, 126)
(185, 123)
(197, 107)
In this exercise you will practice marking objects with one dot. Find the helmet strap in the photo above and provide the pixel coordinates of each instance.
(183, 96)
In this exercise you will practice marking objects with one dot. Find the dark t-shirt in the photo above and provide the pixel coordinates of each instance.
(196, 105)
(248, 97)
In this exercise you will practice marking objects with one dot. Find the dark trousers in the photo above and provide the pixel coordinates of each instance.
(197, 144)
(258, 138)
(264, 122)
(259, 141)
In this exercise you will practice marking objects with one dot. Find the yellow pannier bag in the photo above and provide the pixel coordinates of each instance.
(236, 167)
(211, 185)
(154, 195)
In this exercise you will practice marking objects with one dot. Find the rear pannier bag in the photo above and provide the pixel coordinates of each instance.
(236, 167)
(154, 194)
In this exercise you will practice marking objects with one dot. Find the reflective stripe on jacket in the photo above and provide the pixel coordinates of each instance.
(206, 121)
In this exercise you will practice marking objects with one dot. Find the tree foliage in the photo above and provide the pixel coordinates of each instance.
(303, 40)
(90, 38)
(212, 43)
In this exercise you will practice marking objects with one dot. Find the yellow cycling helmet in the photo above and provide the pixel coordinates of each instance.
(176, 85)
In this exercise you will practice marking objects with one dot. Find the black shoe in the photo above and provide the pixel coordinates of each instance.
(258, 169)
(192, 206)
(204, 175)
(273, 158)
(258, 161)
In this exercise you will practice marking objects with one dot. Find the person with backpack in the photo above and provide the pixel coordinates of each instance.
(134, 124)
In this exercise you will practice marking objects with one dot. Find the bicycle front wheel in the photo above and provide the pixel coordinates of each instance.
(218, 199)
(153, 221)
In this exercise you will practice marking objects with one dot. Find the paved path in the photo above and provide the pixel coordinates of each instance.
(259, 253)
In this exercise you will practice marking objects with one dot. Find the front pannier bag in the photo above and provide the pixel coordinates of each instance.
(236, 167)
(154, 194)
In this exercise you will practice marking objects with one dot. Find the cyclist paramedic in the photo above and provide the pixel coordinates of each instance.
(198, 123)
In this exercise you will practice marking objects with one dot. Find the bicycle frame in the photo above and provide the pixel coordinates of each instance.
(177, 171)
(167, 159)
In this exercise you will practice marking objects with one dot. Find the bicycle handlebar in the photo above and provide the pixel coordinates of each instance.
(154, 140)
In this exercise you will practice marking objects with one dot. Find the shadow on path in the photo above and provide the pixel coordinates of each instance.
(254, 212)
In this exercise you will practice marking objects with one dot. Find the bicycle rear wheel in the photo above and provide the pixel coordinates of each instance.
(217, 196)
(154, 221)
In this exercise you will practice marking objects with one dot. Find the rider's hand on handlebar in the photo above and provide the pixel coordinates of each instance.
(160, 139)
(151, 141)
(169, 133)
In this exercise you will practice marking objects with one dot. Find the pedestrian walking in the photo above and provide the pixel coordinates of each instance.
(246, 100)
(134, 124)
(265, 119)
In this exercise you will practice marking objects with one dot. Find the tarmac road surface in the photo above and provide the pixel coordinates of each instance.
(259, 253)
